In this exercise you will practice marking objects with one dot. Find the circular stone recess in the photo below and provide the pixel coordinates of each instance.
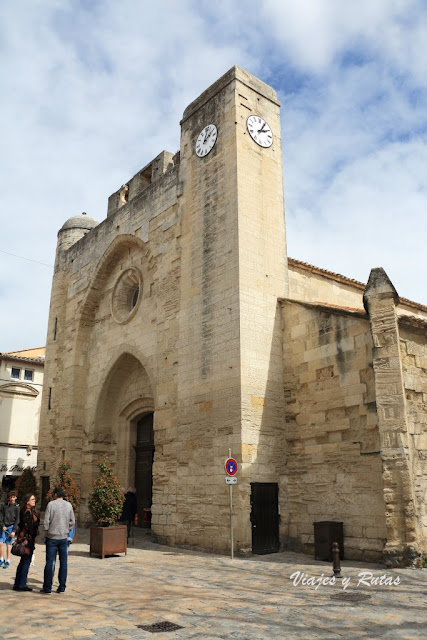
(126, 295)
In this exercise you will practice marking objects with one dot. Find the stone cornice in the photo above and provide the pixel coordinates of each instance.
(19, 389)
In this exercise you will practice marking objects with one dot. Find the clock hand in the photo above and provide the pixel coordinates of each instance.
(262, 130)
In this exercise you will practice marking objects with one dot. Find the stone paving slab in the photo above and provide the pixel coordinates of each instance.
(212, 597)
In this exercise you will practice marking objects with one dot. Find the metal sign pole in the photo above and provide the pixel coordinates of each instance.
(231, 515)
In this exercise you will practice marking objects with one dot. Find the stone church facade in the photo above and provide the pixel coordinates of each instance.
(179, 332)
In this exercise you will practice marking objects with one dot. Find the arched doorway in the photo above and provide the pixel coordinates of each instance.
(122, 428)
(144, 456)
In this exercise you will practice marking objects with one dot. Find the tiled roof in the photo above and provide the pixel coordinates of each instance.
(35, 355)
(411, 321)
(35, 352)
(324, 272)
(327, 306)
(355, 283)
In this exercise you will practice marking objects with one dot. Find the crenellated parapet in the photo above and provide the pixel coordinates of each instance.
(142, 180)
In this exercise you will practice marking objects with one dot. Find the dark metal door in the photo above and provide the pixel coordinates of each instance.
(265, 517)
(144, 464)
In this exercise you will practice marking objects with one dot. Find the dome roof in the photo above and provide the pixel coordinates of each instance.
(79, 222)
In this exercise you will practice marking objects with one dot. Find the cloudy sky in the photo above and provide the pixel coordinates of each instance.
(92, 90)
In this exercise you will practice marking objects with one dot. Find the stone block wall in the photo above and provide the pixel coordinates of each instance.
(333, 469)
(413, 348)
(205, 239)
(170, 306)
(308, 283)
(403, 534)
(101, 370)
(233, 270)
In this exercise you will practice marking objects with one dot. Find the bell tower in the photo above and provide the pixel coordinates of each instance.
(233, 270)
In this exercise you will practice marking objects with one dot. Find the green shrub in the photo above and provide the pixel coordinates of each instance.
(26, 483)
(106, 501)
(65, 480)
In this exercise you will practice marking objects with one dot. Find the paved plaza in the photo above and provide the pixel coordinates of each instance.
(211, 597)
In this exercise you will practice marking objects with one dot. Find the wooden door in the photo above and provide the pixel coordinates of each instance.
(144, 465)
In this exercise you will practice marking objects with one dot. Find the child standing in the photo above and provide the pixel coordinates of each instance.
(9, 522)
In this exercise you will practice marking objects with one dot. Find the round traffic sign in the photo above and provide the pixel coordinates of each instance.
(231, 466)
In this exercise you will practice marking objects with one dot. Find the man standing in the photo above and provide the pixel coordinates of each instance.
(58, 522)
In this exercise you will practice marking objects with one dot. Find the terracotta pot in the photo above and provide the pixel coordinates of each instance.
(105, 541)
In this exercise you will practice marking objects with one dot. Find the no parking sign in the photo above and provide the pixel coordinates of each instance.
(231, 469)
(231, 466)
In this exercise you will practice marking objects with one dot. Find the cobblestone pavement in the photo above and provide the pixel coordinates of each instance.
(210, 597)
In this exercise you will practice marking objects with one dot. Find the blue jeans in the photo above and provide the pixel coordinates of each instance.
(52, 548)
(22, 570)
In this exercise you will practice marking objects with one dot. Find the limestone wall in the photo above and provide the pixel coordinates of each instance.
(403, 535)
(103, 369)
(233, 270)
(413, 347)
(208, 373)
(310, 284)
(170, 306)
(202, 347)
(263, 278)
(333, 463)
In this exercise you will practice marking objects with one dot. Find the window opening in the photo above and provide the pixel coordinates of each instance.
(135, 297)
(145, 176)
(124, 195)
(15, 373)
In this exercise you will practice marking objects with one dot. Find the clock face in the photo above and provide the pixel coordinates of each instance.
(206, 140)
(259, 131)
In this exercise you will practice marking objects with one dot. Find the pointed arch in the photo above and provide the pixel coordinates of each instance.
(125, 394)
(119, 250)
(125, 249)
(124, 364)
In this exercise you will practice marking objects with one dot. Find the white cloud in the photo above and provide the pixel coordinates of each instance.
(313, 35)
(371, 216)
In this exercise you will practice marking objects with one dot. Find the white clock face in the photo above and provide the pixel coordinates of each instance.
(259, 131)
(206, 140)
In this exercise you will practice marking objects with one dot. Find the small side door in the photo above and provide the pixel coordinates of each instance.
(265, 517)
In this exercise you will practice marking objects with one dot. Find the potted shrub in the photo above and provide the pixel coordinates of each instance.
(65, 480)
(105, 506)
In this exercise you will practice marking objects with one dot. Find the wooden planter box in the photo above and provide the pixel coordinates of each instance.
(105, 541)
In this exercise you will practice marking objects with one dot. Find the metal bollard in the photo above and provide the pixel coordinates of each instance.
(336, 565)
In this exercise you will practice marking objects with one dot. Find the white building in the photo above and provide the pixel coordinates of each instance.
(21, 385)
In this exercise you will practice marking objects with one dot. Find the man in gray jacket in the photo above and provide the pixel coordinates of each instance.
(58, 522)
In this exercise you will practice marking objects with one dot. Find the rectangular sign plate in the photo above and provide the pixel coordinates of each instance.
(231, 481)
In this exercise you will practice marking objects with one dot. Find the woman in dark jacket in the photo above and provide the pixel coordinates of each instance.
(29, 528)
(130, 508)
